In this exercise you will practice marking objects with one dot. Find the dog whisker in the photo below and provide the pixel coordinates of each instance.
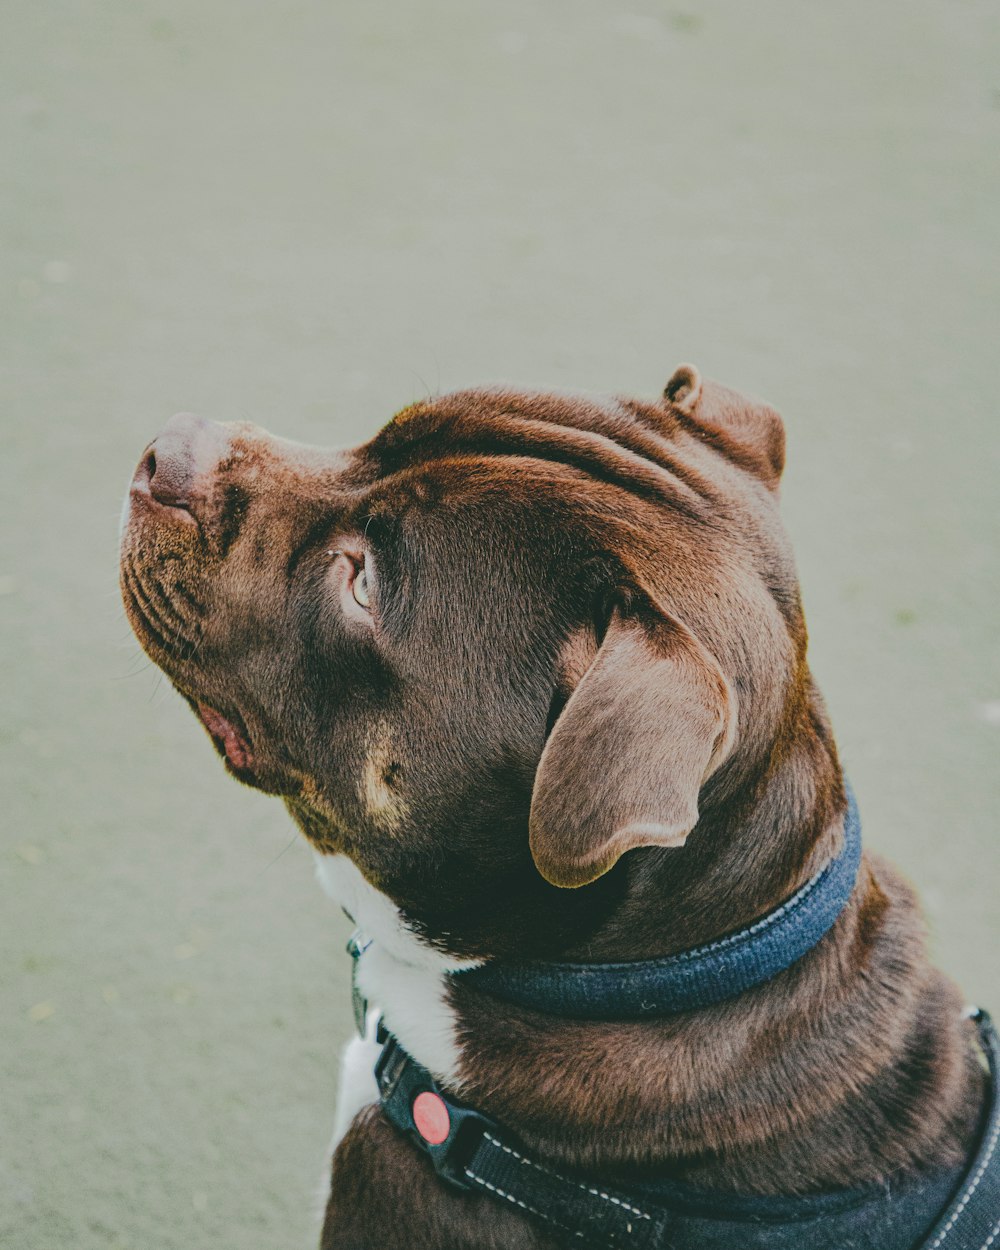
(284, 851)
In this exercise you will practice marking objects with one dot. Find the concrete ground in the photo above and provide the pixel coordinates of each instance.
(310, 214)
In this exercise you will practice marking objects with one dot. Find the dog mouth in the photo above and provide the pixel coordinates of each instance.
(261, 768)
(230, 740)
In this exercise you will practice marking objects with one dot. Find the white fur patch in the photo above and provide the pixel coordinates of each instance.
(400, 975)
(356, 1089)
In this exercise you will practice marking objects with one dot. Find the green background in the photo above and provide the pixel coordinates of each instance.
(310, 214)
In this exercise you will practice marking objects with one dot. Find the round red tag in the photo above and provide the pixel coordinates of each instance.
(430, 1115)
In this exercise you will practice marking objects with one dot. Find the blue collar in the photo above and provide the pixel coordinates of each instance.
(690, 979)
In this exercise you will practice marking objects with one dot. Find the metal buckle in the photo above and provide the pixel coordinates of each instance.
(390, 1066)
(356, 946)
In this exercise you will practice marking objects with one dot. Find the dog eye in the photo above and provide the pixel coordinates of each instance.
(353, 578)
(359, 587)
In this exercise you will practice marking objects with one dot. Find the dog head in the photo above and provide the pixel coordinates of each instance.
(487, 654)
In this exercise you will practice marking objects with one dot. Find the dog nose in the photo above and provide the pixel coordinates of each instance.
(187, 450)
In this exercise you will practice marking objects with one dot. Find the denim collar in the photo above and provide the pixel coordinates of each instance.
(693, 978)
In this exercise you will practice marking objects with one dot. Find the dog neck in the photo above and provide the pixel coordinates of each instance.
(760, 1092)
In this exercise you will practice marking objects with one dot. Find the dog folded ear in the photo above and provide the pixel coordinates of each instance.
(751, 434)
(650, 720)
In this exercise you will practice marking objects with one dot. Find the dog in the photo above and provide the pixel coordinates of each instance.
(529, 672)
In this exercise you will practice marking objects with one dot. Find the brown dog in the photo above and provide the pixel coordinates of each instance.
(529, 671)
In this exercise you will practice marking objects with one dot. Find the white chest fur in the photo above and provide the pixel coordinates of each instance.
(400, 975)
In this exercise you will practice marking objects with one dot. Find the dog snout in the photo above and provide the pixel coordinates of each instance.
(180, 462)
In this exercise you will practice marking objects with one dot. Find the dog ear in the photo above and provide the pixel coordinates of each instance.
(652, 717)
(751, 434)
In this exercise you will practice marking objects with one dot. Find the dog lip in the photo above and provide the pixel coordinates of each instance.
(229, 738)
(140, 493)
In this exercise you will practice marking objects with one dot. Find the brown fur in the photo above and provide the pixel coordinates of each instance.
(585, 667)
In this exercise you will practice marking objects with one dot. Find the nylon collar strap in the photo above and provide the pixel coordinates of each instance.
(694, 978)
(960, 1208)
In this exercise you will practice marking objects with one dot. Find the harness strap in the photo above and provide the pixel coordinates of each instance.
(470, 1151)
(972, 1221)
